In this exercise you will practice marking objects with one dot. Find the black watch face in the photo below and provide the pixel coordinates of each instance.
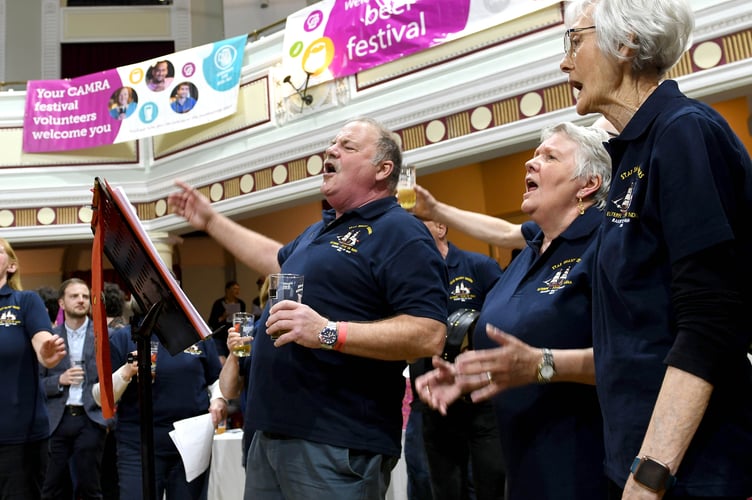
(328, 337)
(652, 474)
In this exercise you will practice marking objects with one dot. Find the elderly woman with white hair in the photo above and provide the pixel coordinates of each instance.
(541, 373)
(671, 280)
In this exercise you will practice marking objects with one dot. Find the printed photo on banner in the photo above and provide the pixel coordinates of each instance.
(159, 76)
(183, 97)
(123, 103)
(136, 101)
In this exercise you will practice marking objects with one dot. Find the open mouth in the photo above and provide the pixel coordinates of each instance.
(576, 88)
(329, 168)
(530, 185)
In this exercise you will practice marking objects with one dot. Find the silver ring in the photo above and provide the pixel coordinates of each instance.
(489, 377)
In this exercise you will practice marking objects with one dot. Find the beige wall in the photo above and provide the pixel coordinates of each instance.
(40, 266)
(23, 43)
(206, 22)
(736, 111)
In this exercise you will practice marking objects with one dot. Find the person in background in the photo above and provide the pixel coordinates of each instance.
(671, 282)
(256, 307)
(220, 317)
(467, 435)
(183, 101)
(114, 303)
(533, 340)
(49, 297)
(236, 372)
(328, 416)
(183, 387)
(28, 342)
(77, 427)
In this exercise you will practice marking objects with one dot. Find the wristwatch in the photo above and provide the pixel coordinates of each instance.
(546, 368)
(652, 474)
(329, 335)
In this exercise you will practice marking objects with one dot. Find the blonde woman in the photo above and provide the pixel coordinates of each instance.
(27, 343)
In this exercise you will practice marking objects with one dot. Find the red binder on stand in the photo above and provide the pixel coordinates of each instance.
(138, 263)
(169, 314)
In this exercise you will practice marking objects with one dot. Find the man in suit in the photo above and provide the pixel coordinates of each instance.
(77, 427)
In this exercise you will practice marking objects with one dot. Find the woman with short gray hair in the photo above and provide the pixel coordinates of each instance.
(671, 292)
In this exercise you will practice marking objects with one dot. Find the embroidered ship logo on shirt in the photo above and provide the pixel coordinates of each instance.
(349, 241)
(8, 317)
(626, 201)
(620, 206)
(560, 278)
(461, 291)
(193, 350)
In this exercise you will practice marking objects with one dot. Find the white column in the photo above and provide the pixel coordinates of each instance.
(3, 41)
(50, 60)
(180, 19)
(163, 243)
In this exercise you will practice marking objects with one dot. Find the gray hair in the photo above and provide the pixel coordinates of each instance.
(590, 159)
(388, 147)
(658, 31)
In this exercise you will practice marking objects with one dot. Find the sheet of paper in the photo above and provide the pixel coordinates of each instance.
(193, 437)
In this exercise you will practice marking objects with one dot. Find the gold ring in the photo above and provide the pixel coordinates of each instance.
(489, 377)
(428, 388)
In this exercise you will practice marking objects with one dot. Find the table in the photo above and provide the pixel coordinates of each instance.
(398, 484)
(227, 476)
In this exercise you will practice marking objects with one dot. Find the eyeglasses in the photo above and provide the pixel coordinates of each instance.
(569, 48)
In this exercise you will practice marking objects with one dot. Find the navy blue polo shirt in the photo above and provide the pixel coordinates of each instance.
(681, 184)
(23, 418)
(369, 264)
(551, 434)
(471, 276)
(179, 389)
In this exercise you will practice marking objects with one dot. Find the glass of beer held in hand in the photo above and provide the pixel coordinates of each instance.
(243, 323)
(406, 187)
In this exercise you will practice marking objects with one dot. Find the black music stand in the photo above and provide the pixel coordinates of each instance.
(169, 313)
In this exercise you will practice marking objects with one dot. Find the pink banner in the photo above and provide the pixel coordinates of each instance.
(70, 112)
(336, 38)
(179, 91)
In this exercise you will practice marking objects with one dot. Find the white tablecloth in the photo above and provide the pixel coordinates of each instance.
(398, 485)
(227, 477)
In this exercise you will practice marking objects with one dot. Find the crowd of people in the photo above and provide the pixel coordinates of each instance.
(54, 443)
(609, 360)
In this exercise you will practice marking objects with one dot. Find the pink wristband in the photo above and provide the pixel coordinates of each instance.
(341, 335)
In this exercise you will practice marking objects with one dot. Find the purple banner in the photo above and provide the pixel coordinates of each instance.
(182, 90)
(336, 38)
(70, 112)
